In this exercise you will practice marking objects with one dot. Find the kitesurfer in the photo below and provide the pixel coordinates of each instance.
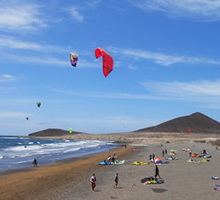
(35, 162)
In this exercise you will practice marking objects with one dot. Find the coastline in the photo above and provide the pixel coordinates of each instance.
(19, 153)
(139, 137)
(68, 179)
(34, 182)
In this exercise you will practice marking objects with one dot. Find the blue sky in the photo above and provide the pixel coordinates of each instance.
(166, 63)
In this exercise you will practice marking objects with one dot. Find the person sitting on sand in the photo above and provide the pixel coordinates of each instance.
(109, 158)
(114, 158)
(93, 182)
(116, 181)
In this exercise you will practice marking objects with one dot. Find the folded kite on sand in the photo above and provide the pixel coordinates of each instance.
(215, 178)
(141, 163)
(117, 162)
(104, 163)
(197, 162)
(151, 180)
(159, 161)
(217, 187)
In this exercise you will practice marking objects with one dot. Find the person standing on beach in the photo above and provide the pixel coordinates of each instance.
(116, 181)
(165, 151)
(93, 182)
(35, 162)
(157, 174)
(153, 157)
(190, 153)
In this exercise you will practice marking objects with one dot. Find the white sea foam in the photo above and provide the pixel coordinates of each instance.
(25, 161)
(46, 150)
(71, 150)
(8, 138)
(24, 148)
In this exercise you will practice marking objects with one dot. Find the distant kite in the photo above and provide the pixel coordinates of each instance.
(107, 61)
(73, 59)
(70, 130)
(38, 104)
(27, 118)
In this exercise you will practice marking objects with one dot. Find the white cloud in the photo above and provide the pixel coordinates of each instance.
(93, 3)
(8, 42)
(161, 58)
(108, 124)
(76, 15)
(105, 95)
(186, 90)
(45, 60)
(198, 91)
(20, 17)
(197, 9)
(77, 11)
(13, 114)
(6, 78)
(132, 67)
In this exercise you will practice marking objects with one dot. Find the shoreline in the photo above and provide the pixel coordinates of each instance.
(22, 152)
(17, 184)
(68, 179)
(138, 137)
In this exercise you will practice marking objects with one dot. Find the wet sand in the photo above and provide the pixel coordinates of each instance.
(69, 179)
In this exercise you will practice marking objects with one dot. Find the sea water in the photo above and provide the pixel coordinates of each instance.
(17, 152)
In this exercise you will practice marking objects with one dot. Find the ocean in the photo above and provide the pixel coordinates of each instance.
(17, 152)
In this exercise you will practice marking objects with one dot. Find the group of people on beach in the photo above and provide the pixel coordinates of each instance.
(93, 181)
(111, 158)
(116, 178)
(152, 158)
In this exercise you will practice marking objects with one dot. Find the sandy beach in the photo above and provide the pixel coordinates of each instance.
(69, 179)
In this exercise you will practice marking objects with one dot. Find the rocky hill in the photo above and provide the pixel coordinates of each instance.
(195, 123)
(52, 132)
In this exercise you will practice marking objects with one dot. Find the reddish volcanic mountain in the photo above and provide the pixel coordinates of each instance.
(195, 123)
